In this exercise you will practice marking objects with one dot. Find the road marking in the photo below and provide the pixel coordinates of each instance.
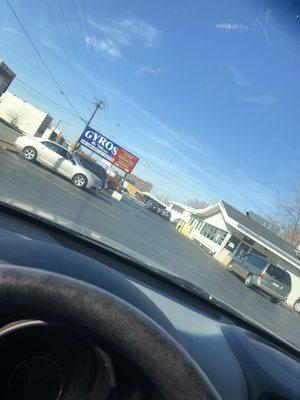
(61, 187)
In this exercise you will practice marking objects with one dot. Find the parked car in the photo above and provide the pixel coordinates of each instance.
(257, 271)
(176, 221)
(152, 205)
(58, 159)
(95, 168)
(296, 306)
(165, 214)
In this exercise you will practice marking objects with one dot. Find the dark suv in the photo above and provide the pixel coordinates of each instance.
(95, 168)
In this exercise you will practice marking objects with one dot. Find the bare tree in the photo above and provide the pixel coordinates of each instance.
(196, 203)
(290, 214)
(15, 118)
(286, 214)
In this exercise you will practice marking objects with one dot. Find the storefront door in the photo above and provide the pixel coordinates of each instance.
(242, 249)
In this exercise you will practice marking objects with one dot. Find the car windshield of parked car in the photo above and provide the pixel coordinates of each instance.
(167, 131)
(255, 260)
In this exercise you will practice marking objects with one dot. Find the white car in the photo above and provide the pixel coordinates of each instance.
(59, 159)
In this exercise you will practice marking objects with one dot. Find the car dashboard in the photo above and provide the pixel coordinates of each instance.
(240, 361)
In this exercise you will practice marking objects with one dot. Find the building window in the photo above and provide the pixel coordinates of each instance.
(243, 249)
(248, 240)
(232, 244)
(212, 233)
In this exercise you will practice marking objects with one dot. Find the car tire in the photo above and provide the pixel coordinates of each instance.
(29, 153)
(80, 181)
(274, 300)
(249, 280)
(230, 267)
(99, 189)
(296, 306)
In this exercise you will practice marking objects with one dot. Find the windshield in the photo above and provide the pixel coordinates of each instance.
(256, 261)
(189, 107)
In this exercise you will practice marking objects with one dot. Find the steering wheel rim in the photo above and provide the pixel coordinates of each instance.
(63, 300)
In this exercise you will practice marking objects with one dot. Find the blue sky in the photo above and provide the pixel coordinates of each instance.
(205, 92)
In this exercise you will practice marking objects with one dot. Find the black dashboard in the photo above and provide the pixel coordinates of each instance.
(240, 362)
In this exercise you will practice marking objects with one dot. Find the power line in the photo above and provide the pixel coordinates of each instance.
(45, 98)
(94, 62)
(172, 180)
(42, 71)
(92, 52)
(63, 47)
(41, 58)
(73, 45)
(61, 91)
(49, 104)
(144, 160)
(85, 48)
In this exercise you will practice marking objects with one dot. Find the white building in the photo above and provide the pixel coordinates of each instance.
(179, 211)
(226, 232)
(23, 116)
(51, 134)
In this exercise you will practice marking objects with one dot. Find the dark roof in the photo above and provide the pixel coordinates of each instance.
(259, 229)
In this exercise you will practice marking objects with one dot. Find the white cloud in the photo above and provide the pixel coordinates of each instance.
(229, 26)
(238, 77)
(104, 45)
(268, 99)
(150, 70)
(124, 32)
(8, 29)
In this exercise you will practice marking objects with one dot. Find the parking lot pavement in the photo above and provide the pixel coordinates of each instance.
(148, 234)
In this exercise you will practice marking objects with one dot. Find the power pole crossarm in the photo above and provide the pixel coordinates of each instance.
(99, 105)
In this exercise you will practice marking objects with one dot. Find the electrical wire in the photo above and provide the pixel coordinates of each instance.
(93, 55)
(144, 160)
(41, 58)
(63, 47)
(42, 71)
(88, 58)
(61, 91)
(25, 86)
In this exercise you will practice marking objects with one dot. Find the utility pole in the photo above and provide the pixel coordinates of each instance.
(57, 125)
(99, 105)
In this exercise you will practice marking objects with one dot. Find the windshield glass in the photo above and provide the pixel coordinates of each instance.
(257, 261)
(189, 107)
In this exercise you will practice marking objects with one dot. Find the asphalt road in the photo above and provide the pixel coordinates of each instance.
(147, 234)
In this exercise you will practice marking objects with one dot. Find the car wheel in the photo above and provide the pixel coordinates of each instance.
(99, 189)
(248, 281)
(29, 153)
(230, 267)
(79, 180)
(274, 300)
(296, 306)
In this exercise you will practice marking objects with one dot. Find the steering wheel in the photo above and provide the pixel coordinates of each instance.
(99, 314)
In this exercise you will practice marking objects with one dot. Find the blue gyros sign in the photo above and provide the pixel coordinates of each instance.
(98, 143)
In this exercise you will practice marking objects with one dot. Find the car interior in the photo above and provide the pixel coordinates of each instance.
(81, 320)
